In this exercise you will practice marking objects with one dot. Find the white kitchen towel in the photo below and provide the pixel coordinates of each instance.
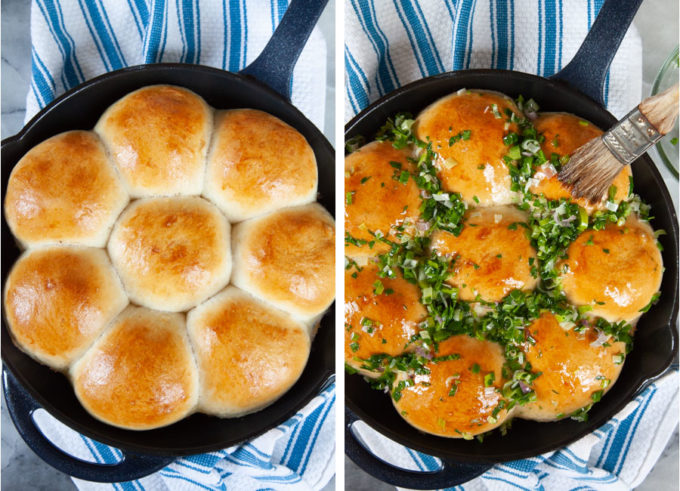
(76, 40)
(390, 43)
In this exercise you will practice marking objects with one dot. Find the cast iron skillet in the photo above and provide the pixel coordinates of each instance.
(79, 109)
(576, 89)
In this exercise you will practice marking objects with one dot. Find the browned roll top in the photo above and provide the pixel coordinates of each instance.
(158, 137)
(141, 373)
(64, 190)
(258, 164)
(376, 201)
(248, 352)
(473, 167)
(563, 134)
(59, 299)
(378, 323)
(615, 271)
(492, 256)
(453, 400)
(171, 253)
(573, 365)
(288, 259)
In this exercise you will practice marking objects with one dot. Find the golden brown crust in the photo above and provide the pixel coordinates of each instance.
(257, 164)
(378, 201)
(469, 411)
(492, 256)
(64, 190)
(171, 253)
(381, 323)
(573, 367)
(475, 167)
(569, 132)
(141, 373)
(288, 259)
(248, 353)
(158, 136)
(59, 299)
(616, 270)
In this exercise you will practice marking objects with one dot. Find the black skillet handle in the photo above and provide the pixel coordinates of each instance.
(21, 407)
(275, 64)
(450, 473)
(587, 71)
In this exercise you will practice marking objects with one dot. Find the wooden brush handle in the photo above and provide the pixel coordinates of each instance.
(661, 109)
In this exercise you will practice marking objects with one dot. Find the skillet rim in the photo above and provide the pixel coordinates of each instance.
(435, 444)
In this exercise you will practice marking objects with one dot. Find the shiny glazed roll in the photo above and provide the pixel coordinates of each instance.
(616, 270)
(258, 164)
(492, 256)
(460, 397)
(287, 258)
(576, 368)
(249, 353)
(140, 374)
(158, 137)
(171, 253)
(58, 299)
(64, 190)
(472, 166)
(375, 198)
(564, 133)
(377, 323)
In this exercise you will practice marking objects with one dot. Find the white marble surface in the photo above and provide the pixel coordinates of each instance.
(21, 468)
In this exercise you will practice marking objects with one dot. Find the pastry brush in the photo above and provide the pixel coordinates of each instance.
(594, 165)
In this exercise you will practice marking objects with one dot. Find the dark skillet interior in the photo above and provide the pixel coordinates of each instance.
(80, 109)
(656, 336)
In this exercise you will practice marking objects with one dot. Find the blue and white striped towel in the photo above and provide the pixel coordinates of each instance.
(391, 43)
(616, 457)
(75, 40)
(298, 455)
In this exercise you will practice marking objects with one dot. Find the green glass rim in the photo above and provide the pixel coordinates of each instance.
(672, 58)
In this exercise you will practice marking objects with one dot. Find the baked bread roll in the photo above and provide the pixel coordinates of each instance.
(378, 323)
(563, 134)
(288, 259)
(574, 366)
(58, 299)
(459, 398)
(492, 255)
(616, 270)
(258, 164)
(64, 190)
(158, 136)
(473, 167)
(249, 353)
(376, 200)
(140, 374)
(171, 253)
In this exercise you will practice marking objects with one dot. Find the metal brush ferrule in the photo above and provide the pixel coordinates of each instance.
(631, 137)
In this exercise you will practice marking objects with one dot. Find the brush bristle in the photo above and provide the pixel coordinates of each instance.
(590, 171)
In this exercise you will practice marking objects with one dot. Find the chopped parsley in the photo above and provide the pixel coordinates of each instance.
(552, 226)
(353, 144)
(463, 135)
